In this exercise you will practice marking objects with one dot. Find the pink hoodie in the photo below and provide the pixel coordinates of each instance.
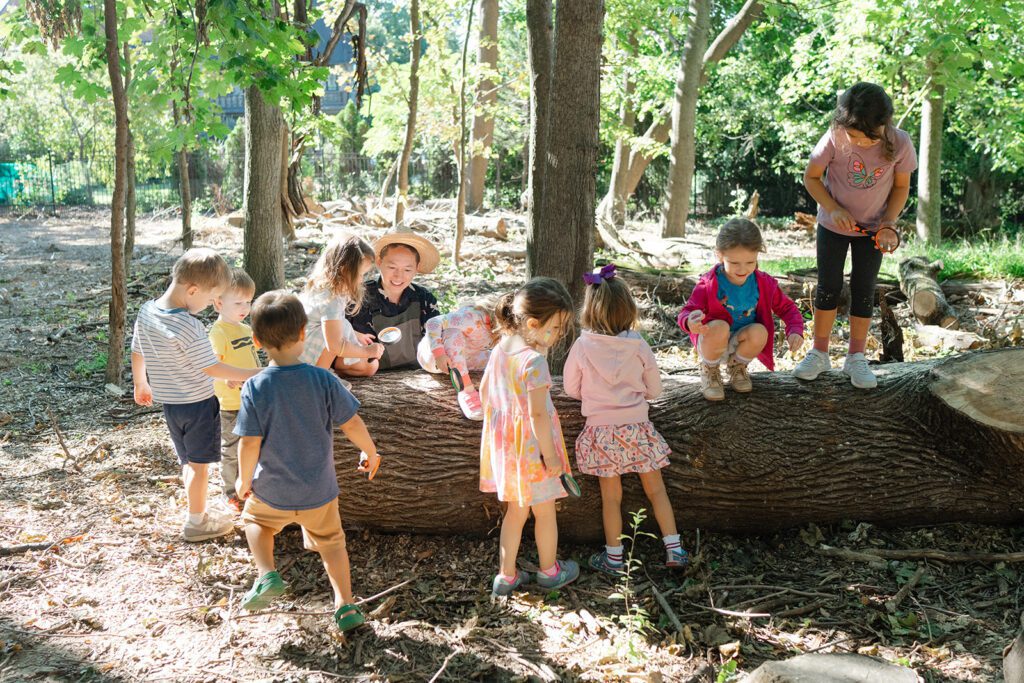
(771, 299)
(614, 376)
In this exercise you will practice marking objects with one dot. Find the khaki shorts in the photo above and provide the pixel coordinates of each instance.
(321, 527)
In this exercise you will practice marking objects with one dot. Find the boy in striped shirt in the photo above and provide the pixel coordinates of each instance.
(174, 364)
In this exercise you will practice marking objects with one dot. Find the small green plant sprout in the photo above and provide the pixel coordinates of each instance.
(727, 672)
(636, 620)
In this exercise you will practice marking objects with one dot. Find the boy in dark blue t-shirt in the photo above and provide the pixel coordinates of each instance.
(286, 460)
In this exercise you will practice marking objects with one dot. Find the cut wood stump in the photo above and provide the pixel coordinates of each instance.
(937, 441)
(918, 282)
(836, 668)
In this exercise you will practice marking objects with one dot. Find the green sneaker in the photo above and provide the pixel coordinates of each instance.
(263, 592)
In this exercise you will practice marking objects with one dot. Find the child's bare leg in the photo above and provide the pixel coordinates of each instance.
(654, 487)
(859, 327)
(195, 476)
(751, 341)
(511, 535)
(261, 544)
(714, 342)
(336, 563)
(824, 321)
(545, 531)
(611, 509)
(363, 368)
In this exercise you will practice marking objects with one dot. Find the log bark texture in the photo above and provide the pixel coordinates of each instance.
(937, 441)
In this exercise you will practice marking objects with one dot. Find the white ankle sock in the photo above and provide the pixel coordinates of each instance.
(196, 517)
(614, 553)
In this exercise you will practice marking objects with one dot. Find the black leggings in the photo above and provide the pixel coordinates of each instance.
(831, 259)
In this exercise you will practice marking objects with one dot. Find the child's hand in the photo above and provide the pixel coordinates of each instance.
(234, 384)
(143, 394)
(694, 324)
(243, 489)
(368, 463)
(365, 339)
(553, 465)
(795, 341)
(375, 350)
(442, 364)
(841, 218)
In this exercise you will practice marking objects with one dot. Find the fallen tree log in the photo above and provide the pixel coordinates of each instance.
(937, 441)
(918, 281)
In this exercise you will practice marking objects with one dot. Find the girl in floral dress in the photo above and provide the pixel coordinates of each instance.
(522, 452)
(613, 370)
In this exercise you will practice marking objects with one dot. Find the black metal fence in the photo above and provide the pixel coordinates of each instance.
(216, 181)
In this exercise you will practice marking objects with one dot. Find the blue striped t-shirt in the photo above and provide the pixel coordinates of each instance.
(177, 350)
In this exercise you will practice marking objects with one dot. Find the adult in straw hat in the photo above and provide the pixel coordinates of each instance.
(394, 300)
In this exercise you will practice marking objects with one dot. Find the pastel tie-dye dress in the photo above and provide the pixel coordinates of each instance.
(510, 459)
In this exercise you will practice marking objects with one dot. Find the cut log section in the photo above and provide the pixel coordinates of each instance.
(937, 441)
(918, 282)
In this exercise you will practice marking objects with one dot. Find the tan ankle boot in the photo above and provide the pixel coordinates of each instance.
(739, 378)
(711, 382)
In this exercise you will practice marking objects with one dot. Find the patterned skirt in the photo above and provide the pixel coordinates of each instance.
(609, 450)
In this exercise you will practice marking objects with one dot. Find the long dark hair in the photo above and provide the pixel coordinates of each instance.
(866, 107)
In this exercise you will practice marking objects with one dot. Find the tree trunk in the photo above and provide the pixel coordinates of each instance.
(184, 186)
(929, 197)
(676, 207)
(918, 281)
(620, 189)
(939, 442)
(292, 204)
(614, 209)
(486, 100)
(460, 150)
(130, 201)
(563, 242)
(541, 48)
(118, 289)
(263, 250)
(402, 189)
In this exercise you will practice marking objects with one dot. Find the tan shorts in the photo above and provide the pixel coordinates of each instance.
(321, 527)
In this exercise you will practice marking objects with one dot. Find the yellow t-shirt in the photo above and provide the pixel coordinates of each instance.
(232, 342)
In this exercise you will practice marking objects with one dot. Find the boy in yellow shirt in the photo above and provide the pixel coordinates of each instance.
(232, 342)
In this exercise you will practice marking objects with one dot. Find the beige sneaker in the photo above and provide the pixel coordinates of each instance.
(711, 382)
(739, 378)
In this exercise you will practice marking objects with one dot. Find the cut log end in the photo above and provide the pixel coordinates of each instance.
(924, 304)
(986, 388)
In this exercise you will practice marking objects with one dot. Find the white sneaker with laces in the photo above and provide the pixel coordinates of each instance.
(812, 365)
(212, 526)
(856, 368)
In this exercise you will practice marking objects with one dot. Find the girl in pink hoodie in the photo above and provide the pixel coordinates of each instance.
(613, 371)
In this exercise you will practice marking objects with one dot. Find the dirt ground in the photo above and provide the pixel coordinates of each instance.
(96, 584)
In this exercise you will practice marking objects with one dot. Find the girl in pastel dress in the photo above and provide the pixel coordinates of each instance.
(522, 452)
(461, 340)
(613, 371)
(334, 289)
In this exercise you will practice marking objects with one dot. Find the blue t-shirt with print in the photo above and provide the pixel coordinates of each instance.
(295, 409)
(739, 300)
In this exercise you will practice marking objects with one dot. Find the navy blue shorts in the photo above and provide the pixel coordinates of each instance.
(195, 430)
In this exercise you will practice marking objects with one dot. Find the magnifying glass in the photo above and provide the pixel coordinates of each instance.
(389, 335)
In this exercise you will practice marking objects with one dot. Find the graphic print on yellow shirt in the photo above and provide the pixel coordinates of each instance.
(232, 342)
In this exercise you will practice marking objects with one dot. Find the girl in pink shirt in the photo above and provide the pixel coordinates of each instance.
(613, 371)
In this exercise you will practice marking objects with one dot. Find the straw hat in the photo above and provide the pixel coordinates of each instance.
(429, 256)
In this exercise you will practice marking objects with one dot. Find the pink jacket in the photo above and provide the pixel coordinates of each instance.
(614, 376)
(771, 299)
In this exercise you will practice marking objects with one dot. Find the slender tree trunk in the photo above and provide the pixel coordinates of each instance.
(563, 244)
(628, 175)
(130, 200)
(460, 149)
(118, 289)
(184, 187)
(676, 207)
(929, 197)
(486, 100)
(944, 445)
(541, 60)
(292, 205)
(263, 252)
(410, 118)
(615, 210)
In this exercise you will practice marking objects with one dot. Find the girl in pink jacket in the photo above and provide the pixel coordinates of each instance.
(612, 370)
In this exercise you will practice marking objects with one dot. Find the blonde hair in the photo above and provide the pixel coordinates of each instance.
(241, 282)
(337, 269)
(202, 267)
(608, 307)
(541, 298)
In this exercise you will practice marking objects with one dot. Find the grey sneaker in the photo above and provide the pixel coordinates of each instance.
(212, 526)
(813, 364)
(856, 368)
(568, 571)
(501, 588)
(711, 382)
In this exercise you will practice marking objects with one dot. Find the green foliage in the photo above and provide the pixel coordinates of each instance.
(727, 672)
(636, 620)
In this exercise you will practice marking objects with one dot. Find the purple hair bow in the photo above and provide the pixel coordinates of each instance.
(606, 273)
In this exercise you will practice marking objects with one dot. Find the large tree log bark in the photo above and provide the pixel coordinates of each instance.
(937, 441)
(918, 282)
